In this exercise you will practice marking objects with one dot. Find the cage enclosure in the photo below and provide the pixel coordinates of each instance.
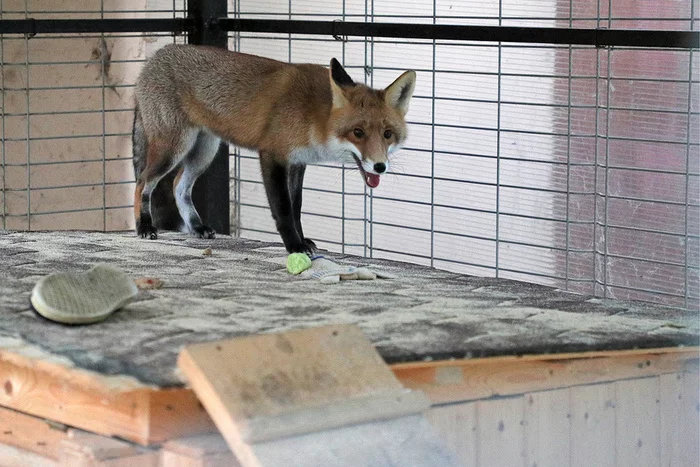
(553, 143)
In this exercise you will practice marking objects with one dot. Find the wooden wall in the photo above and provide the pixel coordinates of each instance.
(639, 422)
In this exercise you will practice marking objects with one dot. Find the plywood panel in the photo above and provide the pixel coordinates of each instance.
(637, 422)
(548, 428)
(456, 425)
(670, 414)
(689, 422)
(593, 425)
(501, 432)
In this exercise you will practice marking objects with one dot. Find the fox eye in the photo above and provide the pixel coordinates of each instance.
(388, 134)
(358, 133)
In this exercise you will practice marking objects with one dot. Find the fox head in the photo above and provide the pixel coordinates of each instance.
(370, 123)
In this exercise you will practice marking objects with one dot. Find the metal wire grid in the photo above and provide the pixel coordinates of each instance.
(486, 235)
(61, 176)
(582, 240)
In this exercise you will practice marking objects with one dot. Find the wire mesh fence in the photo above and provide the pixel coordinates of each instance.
(67, 105)
(572, 166)
(566, 165)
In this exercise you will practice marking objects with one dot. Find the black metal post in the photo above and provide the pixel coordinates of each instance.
(211, 194)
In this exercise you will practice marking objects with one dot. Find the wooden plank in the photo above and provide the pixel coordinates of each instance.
(111, 406)
(462, 380)
(593, 425)
(174, 413)
(295, 386)
(11, 456)
(637, 422)
(74, 398)
(501, 432)
(280, 376)
(90, 450)
(689, 421)
(548, 428)
(456, 425)
(670, 416)
(31, 433)
(198, 451)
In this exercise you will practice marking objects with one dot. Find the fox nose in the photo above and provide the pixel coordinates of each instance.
(380, 167)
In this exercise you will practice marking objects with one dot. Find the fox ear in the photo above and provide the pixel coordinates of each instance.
(339, 75)
(338, 78)
(399, 93)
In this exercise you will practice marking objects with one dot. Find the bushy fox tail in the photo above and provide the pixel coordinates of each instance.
(163, 207)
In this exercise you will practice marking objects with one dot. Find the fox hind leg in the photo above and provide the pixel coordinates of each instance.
(194, 165)
(162, 157)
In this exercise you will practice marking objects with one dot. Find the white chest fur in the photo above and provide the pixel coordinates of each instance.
(333, 150)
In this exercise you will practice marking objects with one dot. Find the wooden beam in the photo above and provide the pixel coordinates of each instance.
(31, 433)
(480, 378)
(110, 406)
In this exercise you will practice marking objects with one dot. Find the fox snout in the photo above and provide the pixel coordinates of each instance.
(375, 167)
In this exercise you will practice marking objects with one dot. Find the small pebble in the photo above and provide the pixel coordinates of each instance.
(147, 283)
(207, 252)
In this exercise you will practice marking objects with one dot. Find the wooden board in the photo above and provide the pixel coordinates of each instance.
(593, 421)
(548, 428)
(319, 396)
(472, 379)
(679, 425)
(457, 426)
(198, 451)
(637, 443)
(31, 434)
(97, 403)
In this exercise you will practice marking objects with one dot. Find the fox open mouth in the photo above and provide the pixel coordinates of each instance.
(372, 180)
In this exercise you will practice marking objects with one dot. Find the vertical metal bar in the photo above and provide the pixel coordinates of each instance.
(594, 274)
(498, 146)
(237, 169)
(211, 194)
(103, 59)
(432, 149)
(686, 285)
(2, 91)
(364, 186)
(342, 169)
(371, 192)
(607, 159)
(568, 152)
(29, 157)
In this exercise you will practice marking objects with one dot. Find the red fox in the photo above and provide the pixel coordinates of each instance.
(190, 98)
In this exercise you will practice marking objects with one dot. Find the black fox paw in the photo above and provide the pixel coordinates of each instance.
(309, 246)
(147, 231)
(204, 232)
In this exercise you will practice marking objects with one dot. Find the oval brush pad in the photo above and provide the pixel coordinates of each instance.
(81, 298)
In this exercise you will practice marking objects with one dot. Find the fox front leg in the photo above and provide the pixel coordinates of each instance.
(296, 188)
(276, 181)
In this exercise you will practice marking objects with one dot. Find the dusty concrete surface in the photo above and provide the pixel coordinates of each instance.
(241, 289)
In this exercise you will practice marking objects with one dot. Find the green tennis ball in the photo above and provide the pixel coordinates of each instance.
(298, 263)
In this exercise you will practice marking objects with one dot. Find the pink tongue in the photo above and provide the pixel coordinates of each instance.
(372, 180)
